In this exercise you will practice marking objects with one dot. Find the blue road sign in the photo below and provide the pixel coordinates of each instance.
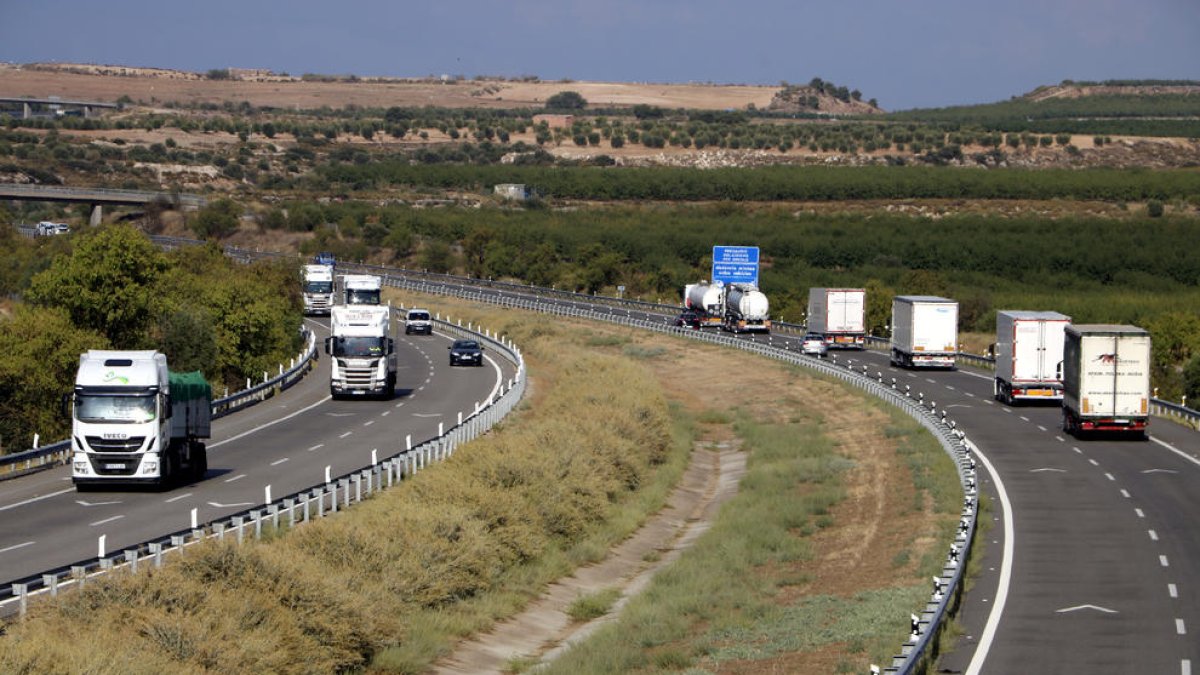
(735, 265)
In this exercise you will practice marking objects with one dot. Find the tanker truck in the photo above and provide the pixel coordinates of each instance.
(1106, 379)
(746, 309)
(134, 421)
(706, 300)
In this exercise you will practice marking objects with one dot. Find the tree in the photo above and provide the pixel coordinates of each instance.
(566, 100)
(107, 285)
(1191, 380)
(217, 220)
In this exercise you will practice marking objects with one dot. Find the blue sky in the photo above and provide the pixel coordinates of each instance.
(906, 54)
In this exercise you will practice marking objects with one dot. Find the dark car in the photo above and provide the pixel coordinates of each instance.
(688, 318)
(466, 353)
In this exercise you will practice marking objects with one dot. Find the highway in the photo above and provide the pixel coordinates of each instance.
(287, 443)
(1099, 573)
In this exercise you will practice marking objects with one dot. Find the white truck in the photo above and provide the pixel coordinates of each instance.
(707, 301)
(924, 331)
(840, 315)
(135, 421)
(746, 310)
(1106, 379)
(318, 289)
(363, 350)
(1029, 351)
(361, 289)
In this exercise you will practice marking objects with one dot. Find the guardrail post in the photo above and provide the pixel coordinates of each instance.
(290, 505)
(356, 480)
(50, 581)
(238, 522)
(131, 557)
(79, 573)
(22, 593)
(256, 516)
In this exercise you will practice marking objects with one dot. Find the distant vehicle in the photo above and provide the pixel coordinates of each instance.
(839, 314)
(318, 289)
(813, 344)
(324, 258)
(466, 352)
(418, 321)
(49, 229)
(924, 331)
(1029, 349)
(746, 310)
(362, 289)
(689, 318)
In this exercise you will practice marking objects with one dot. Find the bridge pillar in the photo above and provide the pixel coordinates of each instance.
(97, 215)
(26, 112)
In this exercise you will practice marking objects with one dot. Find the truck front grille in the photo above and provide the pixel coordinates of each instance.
(114, 465)
(100, 444)
(359, 378)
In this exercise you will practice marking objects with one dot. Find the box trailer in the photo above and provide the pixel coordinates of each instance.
(1029, 354)
(1106, 379)
(924, 331)
(840, 315)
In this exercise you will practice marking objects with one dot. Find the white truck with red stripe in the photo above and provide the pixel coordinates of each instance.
(1029, 351)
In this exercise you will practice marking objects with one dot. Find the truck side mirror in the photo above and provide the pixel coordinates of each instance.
(65, 409)
(328, 345)
(1058, 374)
(391, 346)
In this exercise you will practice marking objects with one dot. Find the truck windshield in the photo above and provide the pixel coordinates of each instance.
(359, 346)
(362, 297)
(114, 408)
(318, 287)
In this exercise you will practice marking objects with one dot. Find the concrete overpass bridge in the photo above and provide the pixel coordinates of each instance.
(98, 197)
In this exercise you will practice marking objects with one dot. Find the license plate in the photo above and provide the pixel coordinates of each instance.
(112, 466)
(1040, 392)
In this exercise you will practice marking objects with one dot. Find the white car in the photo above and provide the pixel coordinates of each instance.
(813, 344)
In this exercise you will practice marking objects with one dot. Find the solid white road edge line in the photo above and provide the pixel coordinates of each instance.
(1006, 563)
(1177, 451)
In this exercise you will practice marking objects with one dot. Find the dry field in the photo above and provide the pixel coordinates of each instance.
(19, 82)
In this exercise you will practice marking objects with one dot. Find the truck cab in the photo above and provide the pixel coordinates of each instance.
(318, 289)
(134, 421)
(362, 289)
(363, 351)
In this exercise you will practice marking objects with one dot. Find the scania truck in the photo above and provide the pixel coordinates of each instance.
(361, 289)
(363, 350)
(135, 421)
(318, 289)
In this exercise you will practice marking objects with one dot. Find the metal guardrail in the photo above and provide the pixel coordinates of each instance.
(54, 454)
(324, 498)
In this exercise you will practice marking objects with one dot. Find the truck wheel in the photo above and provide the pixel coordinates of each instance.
(166, 469)
(199, 461)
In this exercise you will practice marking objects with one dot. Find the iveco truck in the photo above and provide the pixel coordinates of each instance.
(135, 421)
(363, 351)
(1106, 379)
(924, 331)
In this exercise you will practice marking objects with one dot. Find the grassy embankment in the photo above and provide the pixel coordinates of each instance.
(392, 586)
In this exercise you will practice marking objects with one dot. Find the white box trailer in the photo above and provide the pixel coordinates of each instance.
(1106, 379)
(1029, 354)
(839, 314)
(924, 331)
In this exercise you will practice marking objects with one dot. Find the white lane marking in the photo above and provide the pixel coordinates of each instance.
(1162, 560)
(1060, 439)
(237, 477)
(1076, 608)
(1125, 493)
(1177, 451)
(399, 404)
(31, 500)
(1007, 410)
(175, 499)
(982, 377)
(1139, 513)
(950, 388)
(346, 434)
(318, 446)
(1006, 563)
(931, 380)
(420, 388)
(268, 424)
(1179, 627)
(1093, 462)
(989, 402)
(1185, 667)
(1077, 450)
(1153, 535)
(1171, 589)
(1160, 471)
(969, 394)
(427, 414)
(219, 505)
(87, 503)
(16, 546)
(368, 423)
(1109, 476)
(280, 461)
(1042, 428)
(1048, 469)
(106, 520)
(1024, 418)
(385, 413)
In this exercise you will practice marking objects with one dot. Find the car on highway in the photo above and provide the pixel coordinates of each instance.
(813, 344)
(466, 353)
(418, 321)
(688, 318)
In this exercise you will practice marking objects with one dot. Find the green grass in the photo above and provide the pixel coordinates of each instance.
(593, 605)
